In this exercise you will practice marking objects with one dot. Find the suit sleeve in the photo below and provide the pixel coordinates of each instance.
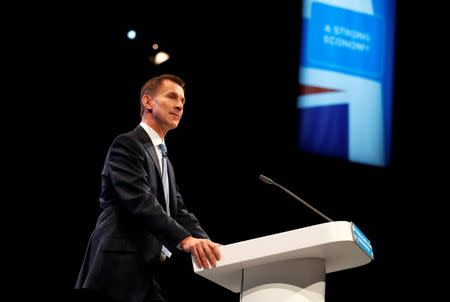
(188, 219)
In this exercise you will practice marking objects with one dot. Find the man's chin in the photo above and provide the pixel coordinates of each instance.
(174, 125)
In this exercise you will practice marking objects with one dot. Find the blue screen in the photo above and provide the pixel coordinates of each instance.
(346, 78)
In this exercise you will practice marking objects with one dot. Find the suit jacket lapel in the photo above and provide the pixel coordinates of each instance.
(148, 146)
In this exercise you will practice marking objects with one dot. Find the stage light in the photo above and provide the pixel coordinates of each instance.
(161, 57)
(131, 34)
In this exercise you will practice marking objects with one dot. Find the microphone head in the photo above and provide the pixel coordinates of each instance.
(265, 179)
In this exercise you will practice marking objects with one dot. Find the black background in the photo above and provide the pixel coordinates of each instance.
(79, 80)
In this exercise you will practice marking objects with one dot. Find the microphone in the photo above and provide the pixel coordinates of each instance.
(269, 181)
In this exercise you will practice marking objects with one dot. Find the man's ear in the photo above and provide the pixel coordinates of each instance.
(147, 102)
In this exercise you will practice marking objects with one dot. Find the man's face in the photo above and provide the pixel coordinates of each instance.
(167, 105)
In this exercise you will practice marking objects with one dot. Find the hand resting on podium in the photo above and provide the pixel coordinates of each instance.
(204, 251)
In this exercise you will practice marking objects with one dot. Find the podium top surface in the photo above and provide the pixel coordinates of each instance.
(336, 242)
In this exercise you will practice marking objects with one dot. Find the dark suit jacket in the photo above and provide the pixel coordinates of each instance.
(133, 224)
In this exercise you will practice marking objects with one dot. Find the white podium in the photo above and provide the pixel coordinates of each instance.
(289, 266)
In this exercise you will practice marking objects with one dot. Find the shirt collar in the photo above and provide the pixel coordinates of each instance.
(156, 139)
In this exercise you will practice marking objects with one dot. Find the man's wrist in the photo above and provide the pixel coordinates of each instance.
(180, 245)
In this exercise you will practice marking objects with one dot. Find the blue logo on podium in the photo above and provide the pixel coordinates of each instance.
(362, 240)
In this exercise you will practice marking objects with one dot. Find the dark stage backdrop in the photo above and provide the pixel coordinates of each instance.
(240, 65)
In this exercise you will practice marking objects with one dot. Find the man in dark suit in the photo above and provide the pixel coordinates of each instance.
(140, 226)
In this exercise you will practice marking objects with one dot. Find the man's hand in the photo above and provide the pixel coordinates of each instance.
(205, 251)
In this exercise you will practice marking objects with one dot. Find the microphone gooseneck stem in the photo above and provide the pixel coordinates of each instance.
(302, 201)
